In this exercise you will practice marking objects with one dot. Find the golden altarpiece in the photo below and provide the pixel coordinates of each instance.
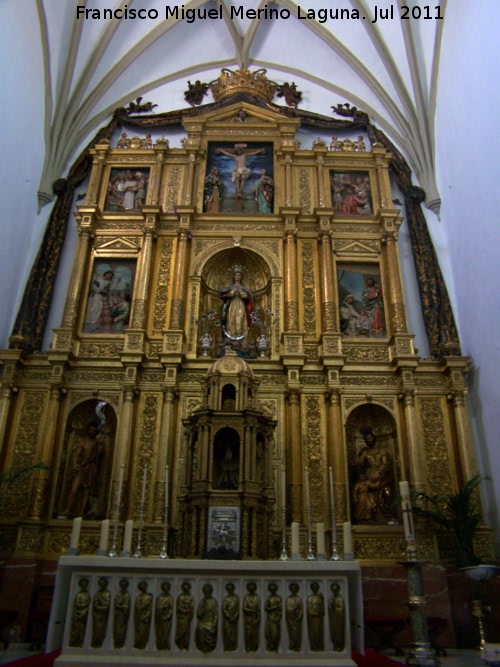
(316, 369)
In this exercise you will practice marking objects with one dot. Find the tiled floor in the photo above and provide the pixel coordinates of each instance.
(456, 658)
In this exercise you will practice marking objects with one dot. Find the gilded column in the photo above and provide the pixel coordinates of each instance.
(123, 437)
(320, 162)
(138, 314)
(5, 401)
(180, 281)
(164, 451)
(247, 473)
(415, 450)
(98, 161)
(328, 306)
(294, 457)
(188, 193)
(288, 180)
(464, 436)
(71, 309)
(395, 287)
(291, 299)
(337, 456)
(40, 483)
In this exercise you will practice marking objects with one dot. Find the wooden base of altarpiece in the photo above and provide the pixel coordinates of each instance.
(72, 569)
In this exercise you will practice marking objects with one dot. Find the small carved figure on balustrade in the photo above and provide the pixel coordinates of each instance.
(252, 614)
(121, 615)
(294, 612)
(142, 616)
(336, 614)
(274, 609)
(208, 614)
(230, 616)
(100, 613)
(185, 614)
(315, 616)
(163, 617)
(79, 614)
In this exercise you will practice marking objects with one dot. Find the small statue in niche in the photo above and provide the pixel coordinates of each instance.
(230, 616)
(121, 615)
(237, 305)
(142, 616)
(274, 609)
(373, 492)
(79, 614)
(228, 467)
(163, 617)
(100, 613)
(336, 613)
(185, 614)
(264, 193)
(208, 615)
(251, 613)
(294, 613)
(315, 614)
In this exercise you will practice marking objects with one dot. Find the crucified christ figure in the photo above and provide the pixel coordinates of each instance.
(240, 172)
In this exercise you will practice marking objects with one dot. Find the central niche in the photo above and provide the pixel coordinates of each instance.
(235, 304)
(226, 461)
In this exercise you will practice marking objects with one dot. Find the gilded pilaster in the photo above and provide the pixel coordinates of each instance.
(180, 280)
(328, 305)
(291, 299)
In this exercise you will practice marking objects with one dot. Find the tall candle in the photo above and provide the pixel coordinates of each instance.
(127, 536)
(320, 538)
(404, 492)
(347, 537)
(103, 539)
(144, 480)
(308, 497)
(295, 538)
(283, 488)
(332, 498)
(75, 532)
(166, 487)
(120, 487)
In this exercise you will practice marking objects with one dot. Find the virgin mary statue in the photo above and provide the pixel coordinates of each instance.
(237, 305)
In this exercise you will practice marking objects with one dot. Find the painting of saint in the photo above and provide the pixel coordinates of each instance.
(110, 296)
(351, 193)
(127, 190)
(235, 175)
(361, 302)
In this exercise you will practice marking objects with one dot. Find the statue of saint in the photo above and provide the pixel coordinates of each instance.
(163, 617)
(294, 612)
(100, 613)
(230, 616)
(264, 193)
(274, 609)
(373, 493)
(251, 613)
(121, 615)
(79, 614)
(208, 614)
(185, 614)
(315, 615)
(336, 613)
(142, 615)
(236, 307)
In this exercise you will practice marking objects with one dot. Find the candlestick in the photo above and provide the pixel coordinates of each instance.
(138, 550)
(335, 553)
(127, 539)
(295, 541)
(113, 552)
(310, 552)
(406, 510)
(163, 550)
(103, 538)
(283, 487)
(75, 537)
(308, 496)
(284, 555)
(348, 553)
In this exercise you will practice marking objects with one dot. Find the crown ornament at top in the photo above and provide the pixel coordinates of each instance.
(242, 80)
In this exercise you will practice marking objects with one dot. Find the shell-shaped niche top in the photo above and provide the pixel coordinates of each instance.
(230, 364)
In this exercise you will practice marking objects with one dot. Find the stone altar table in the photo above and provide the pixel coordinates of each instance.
(198, 573)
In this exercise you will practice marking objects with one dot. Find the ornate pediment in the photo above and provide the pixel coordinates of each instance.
(356, 247)
(118, 245)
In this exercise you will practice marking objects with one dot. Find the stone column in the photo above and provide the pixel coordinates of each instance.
(328, 305)
(294, 455)
(291, 298)
(180, 280)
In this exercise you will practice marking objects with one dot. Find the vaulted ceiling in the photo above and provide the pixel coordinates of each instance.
(387, 67)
